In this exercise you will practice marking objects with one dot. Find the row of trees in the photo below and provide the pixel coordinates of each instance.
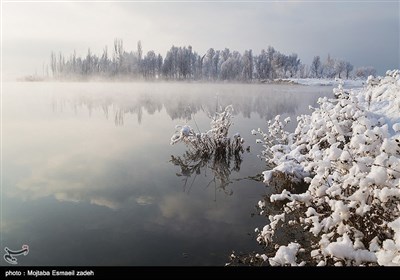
(183, 63)
(338, 68)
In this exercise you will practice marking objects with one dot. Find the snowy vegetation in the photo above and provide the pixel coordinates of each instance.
(213, 142)
(212, 150)
(183, 63)
(336, 180)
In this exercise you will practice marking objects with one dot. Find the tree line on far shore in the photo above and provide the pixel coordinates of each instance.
(183, 63)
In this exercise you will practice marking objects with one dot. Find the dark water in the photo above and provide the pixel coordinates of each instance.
(88, 177)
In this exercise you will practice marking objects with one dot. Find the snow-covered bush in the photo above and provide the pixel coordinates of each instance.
(348, 153)
(212, 150)
(213, 142)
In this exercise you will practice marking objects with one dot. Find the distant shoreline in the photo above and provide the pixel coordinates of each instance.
(280, 81)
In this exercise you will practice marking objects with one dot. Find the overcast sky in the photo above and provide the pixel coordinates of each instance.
(362, 33)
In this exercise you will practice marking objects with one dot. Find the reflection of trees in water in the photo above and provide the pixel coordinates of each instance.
(221, 165)
(135, 107)
(111, 105)
(181, 110)
(184, 106)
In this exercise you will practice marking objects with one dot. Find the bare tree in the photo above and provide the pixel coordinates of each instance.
(349, 67)
(365, 71)
(340, 66)
(316, 66)
(53, 64)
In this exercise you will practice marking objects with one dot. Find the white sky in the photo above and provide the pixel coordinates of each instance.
(363, 33)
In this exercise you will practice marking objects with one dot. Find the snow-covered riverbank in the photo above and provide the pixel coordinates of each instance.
(348, 152)
(350, 83)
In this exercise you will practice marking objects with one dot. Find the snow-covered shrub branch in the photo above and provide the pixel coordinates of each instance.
(213, 142)
(348, 153)
(275, 136)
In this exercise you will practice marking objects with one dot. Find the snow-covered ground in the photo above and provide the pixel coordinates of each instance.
(348, 152)
(326, 82)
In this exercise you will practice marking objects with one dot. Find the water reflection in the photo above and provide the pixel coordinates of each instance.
(81, 184)
(194, 164)
(264, 100)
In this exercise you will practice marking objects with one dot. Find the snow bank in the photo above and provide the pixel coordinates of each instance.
(348, 152)
(325, 82)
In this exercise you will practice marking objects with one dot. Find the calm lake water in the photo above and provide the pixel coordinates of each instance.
(88, 177)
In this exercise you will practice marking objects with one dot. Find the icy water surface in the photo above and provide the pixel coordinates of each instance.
(88, 177)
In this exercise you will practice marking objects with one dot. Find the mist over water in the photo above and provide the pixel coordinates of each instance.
(88, 177)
